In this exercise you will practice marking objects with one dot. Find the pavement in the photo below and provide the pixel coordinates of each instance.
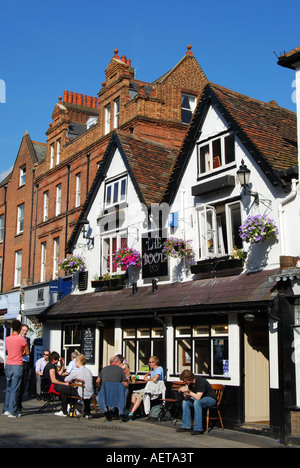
(139, 438)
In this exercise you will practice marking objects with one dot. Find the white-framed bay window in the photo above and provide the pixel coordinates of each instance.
(218, 229)
(110, 243)
(215, 153)
(139, 343)
(115, 191)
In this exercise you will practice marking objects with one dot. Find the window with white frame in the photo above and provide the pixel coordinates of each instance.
(1, 228)
(55, 256)
(46, 206)
(203, 349)
(43, 261)
(107, 119)
(116, 112)
(78, 189)
(188, 105)
(20, 220)
(52, 155)
(58, 147)
(216, 152)
(18, 267)
(218, 229)
(1, 266)
(116, 192)
(110, 243)
(71, 339)
(58, 200)
(22, 175)
(139, 343)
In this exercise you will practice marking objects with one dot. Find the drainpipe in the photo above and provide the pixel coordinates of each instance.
(290, 198)
(67, 209)
(34, 238)
(87, 173)
(30, 231)
(4, 235)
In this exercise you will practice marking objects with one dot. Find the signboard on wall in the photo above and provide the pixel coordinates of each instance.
(154, 263)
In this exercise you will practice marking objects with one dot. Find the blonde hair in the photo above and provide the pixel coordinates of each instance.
(81, 359)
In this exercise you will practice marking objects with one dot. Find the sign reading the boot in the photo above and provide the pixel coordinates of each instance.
(154, 262)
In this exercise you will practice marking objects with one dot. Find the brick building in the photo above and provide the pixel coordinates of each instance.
(41, 199)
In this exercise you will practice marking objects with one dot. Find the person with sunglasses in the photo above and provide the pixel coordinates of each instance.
(155, 386)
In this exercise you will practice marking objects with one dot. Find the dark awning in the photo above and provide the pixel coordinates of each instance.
(240, 293)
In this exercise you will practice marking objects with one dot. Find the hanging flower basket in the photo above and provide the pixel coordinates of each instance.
(126, 257)
(72, 264)
(258, 228)
(178, 248)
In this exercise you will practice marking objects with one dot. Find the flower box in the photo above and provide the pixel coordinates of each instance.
(221, 266)
(110, 284)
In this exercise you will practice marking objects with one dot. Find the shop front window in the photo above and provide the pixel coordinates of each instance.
(141, 343)
(203, 349)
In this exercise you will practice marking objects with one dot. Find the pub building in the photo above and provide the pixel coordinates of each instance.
(215, 304)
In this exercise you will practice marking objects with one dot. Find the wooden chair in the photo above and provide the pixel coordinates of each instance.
(174, 404)
(219, 390)
(74, 412)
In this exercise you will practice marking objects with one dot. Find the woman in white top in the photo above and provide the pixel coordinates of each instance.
(83, 373)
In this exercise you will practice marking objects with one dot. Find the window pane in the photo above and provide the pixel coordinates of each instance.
(202, 361)
(229, 149)
(144, 353)
(129, 353)
(220, 356)
(216, 153)
(158, 350)
(123, 190)
(186, 116)
(108, 195)
(235, 224)
(116, 190)
(204, 159)
(184, 355)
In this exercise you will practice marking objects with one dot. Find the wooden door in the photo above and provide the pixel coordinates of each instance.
(256, 366)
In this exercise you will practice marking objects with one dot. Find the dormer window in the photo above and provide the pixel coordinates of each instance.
(115, 192)
(22, 175)
(188, 105)
(215, 153)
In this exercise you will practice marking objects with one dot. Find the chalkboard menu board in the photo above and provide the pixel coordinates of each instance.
(88, 344)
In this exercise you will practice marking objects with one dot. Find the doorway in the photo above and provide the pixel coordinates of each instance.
(256, 368)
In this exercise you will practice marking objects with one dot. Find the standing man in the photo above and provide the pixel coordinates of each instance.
(26, 368)
(39, 369)
(197, 394)
(16, 346)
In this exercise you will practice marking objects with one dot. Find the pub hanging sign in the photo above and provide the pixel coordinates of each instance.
(154, 262)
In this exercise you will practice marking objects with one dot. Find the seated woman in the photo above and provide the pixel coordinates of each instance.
(154, 387)
(83, 373)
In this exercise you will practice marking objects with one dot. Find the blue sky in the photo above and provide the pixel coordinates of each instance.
(47, 48)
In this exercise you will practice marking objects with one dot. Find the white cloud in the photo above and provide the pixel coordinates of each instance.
(4, 174)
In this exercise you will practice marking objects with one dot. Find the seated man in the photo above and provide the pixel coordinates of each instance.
(197, 394)
(155, 386)
(111, 393)
(83, 373)
(52, 376)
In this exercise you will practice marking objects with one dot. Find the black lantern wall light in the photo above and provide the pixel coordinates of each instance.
(243, 175)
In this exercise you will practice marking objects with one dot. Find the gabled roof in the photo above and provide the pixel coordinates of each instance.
(149, 165)
(268, 131)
